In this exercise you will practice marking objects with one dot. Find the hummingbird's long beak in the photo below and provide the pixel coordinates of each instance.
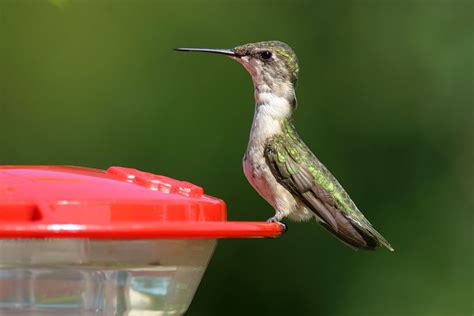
(228, 52)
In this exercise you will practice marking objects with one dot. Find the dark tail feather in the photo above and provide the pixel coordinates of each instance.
(355, 236)
(381, 241)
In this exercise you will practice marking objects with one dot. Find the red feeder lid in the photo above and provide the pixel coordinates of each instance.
(75, 202)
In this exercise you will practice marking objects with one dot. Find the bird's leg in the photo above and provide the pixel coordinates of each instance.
(277, 219)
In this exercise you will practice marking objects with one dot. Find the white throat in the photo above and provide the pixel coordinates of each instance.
(272, 103)
(270, 111)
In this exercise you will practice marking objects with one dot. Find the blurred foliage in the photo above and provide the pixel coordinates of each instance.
(385, 100)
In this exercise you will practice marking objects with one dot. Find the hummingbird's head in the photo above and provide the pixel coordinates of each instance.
(272, 64)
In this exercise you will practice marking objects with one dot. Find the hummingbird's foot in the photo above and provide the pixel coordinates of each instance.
(276, 220)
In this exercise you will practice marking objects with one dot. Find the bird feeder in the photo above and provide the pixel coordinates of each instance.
(79, 241)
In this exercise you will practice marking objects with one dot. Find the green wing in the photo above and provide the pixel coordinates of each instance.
(300, 172)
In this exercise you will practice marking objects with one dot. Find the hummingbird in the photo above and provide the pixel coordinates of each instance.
(278, 164)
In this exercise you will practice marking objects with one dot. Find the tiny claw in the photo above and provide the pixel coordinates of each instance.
(275, 220)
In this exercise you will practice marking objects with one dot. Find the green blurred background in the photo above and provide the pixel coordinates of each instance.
(385, 100)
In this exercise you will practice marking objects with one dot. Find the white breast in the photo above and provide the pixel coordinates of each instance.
(266, 124)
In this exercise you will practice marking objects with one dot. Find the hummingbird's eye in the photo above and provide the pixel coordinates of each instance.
(266, 54)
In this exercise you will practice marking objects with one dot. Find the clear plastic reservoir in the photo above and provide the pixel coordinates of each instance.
(49, 277)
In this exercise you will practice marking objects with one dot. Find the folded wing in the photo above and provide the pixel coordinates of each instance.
(301, 173)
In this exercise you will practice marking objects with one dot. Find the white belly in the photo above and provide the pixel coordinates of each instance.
(262, 180)
(259, 175)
